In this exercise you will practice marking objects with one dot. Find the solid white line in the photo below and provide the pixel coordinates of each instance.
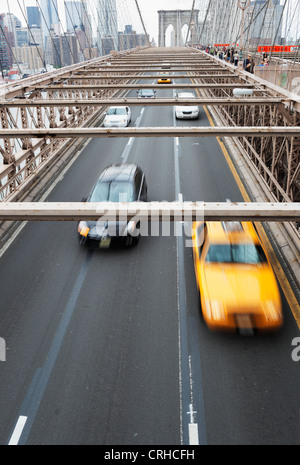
(17, 431)
(193, 434)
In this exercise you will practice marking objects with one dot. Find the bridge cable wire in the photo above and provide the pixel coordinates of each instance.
(252, 23)
(280, 22)
(30, 32)
(8, 42)
(252, 20)
(61, 25)
(142, 21)
(93, 8)
(79, 26)
(88, 17)
(49, 31)
(190, 22)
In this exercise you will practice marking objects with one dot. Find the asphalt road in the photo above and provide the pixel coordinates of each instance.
(108, 347)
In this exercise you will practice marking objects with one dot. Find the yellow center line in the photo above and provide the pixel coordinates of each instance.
(283, 281)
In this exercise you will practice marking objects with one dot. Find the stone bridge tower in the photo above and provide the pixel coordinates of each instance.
(177, 19)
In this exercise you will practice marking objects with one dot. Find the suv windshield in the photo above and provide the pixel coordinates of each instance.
(236, 253)
(146, 92)
(112, 192)
(116, 111)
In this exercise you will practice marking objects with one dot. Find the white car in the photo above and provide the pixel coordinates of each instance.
(186, 111)
(118, 117)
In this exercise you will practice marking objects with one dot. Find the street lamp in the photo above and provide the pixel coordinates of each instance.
(243, 5)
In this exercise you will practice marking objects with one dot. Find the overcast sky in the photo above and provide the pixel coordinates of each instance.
(128, 11)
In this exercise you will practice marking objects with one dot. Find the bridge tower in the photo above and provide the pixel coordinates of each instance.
(177, 19)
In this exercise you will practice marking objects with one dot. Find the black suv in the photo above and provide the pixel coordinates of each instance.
(117, 183)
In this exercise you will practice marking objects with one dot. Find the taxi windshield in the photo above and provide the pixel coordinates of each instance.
(236, 253)
(112, 192)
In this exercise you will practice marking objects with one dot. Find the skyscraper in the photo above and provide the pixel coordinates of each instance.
(107, 25)
(50, 19)
(4, 49)
(34, 16)
(267, 27)
(77, 17)
(73, 15)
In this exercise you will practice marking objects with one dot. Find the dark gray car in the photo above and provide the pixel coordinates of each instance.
(117, 183)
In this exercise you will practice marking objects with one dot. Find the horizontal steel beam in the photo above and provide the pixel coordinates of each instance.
(134, 69)
(46, 102)
(179, 131)
(134, 75)
(156, 211)
(138, 86)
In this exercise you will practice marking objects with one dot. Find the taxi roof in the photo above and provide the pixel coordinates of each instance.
(224, 231)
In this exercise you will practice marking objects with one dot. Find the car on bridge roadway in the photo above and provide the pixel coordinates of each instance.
(119, 117)
(237, 285)
(164, 79)
(146, 93)
(117, 183)
(186, 111)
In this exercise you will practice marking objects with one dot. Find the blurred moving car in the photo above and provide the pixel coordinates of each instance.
(238, 288)
(117, 183)
(118, 117)
(146, 93)
(164, 79)
(186, 111)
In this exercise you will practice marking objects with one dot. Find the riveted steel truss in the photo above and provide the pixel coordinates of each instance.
(276, 158)
(66, 103)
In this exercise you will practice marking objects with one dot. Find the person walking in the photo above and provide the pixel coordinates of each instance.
(252, 65)
(235, 58)
(247, 63)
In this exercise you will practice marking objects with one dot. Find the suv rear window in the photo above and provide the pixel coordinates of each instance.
(112, 192)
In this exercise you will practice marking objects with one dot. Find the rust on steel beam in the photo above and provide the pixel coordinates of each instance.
(156, 70)
(139, 86)
(156, 211)
(92, 77)
(140, 102)
(198, 131)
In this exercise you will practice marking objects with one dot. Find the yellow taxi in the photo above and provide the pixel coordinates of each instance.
(164, 79)
(237, 286)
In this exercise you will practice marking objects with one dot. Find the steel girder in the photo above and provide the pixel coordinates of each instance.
(45, 103)
(276, 158)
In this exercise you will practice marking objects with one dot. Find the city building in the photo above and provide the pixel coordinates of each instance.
(107, 26)
(4, 50)
(62, 50)
(49, 18)
(32, 55)
(130, 39)
(34, 16)
(77, 18)
(267, 28)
